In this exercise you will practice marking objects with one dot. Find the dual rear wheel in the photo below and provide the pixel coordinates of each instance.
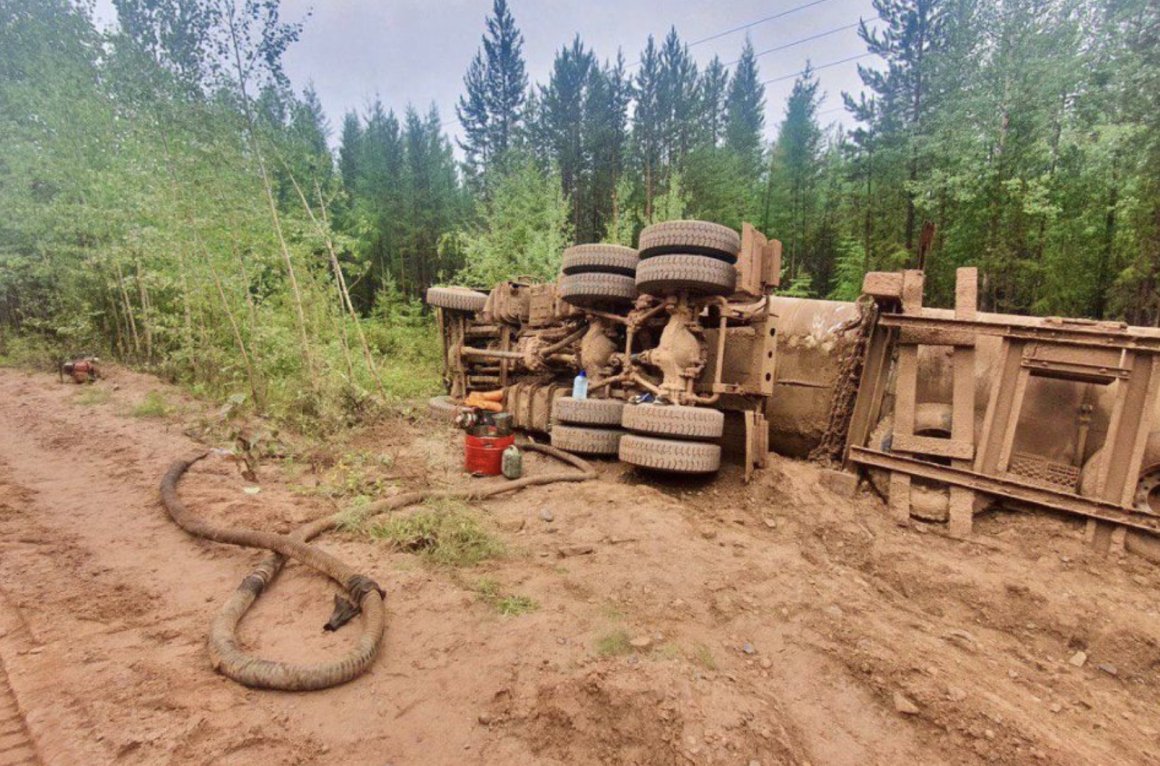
(672, 438)
(660, 437)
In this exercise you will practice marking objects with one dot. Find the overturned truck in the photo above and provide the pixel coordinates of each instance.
(690, 353)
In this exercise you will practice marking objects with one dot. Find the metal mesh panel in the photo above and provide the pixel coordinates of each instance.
(1038, 470)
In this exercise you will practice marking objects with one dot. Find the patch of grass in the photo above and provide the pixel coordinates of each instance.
(509, 604)
(152, 406)
(514, 605)
(447, 536)
(703, 656)
(614, 644)
(91, 396)
(354, 475)
(668, 651)
(353, 517)
(611, 611)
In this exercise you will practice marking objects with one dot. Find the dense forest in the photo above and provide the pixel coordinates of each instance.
(169, 199)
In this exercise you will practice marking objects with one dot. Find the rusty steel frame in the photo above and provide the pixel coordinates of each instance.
(1109, 354)
(1091, 508)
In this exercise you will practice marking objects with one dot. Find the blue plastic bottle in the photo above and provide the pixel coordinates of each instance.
(580, 386)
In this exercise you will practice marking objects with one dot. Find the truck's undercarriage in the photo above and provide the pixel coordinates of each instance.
(688, 350)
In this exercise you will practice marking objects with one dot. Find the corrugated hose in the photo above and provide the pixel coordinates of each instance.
(365, 595)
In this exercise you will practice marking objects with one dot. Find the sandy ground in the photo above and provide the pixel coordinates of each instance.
(771, 623)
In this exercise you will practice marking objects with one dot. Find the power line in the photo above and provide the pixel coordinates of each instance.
(828, 32)
(786, 12)
(817, 68)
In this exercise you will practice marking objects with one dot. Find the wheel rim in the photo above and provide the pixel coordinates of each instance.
(1148, 491)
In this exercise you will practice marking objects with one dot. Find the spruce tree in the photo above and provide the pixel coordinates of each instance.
(496, 84)
(745, 113)
(791, 201)
(712, 94)
(677, 100)
(647, 124)
(474, 118)
(913, 31)
(561, 119)
(349, 146)
(605, 135)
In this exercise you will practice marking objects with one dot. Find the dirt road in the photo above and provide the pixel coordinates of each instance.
(712, 622)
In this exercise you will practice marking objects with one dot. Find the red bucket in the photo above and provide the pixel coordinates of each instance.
(483, 455)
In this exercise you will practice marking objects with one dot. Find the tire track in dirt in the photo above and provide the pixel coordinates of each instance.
(16, 745)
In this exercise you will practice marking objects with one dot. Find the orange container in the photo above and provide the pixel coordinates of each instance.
(483, 455)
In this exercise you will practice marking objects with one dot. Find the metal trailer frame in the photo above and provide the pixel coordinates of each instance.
(983, 465)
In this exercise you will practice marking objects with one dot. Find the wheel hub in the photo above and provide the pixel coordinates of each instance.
(1148, 491)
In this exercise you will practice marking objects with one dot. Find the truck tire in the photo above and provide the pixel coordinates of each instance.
(927, 501)
(693, 237)
(665, 275)
(442, 407)
(601, 259)
(586, 441)
(673, 420)
(598, 290)
(670, 455)
(588, 412)
(456, 298)
(1147, 497)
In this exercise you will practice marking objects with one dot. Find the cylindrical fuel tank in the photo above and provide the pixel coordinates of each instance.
(1053, 410)
(815, 336)
(811, 346)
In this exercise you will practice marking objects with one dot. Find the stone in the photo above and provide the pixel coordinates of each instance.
(547, 515)
(955, 694)
(640, 642)
(904, 705)
(484, 719)
(766, 663)
(748, 648)
(1078, 659)
(1056, 707)
(839, 482)
(961, 638)
(565, 551)
(1108, 668)
(510, 525)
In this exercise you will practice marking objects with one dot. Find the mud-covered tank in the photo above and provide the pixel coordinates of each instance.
(814, 337)
(1058, 416)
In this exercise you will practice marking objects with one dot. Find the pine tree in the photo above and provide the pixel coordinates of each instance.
(713, 96)
(648, 124)
(745, 112)
(791, 197)
(677, 101)
(561, 118)
(349, 146)
(913, 31)
(475, 119)
(605, 135)
(496, 85)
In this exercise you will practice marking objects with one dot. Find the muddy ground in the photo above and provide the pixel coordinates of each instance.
(712, 622)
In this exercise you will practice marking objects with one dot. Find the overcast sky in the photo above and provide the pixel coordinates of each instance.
(416, 51)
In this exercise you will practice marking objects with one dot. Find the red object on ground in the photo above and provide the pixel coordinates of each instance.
(83, 371)
(483, 455)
